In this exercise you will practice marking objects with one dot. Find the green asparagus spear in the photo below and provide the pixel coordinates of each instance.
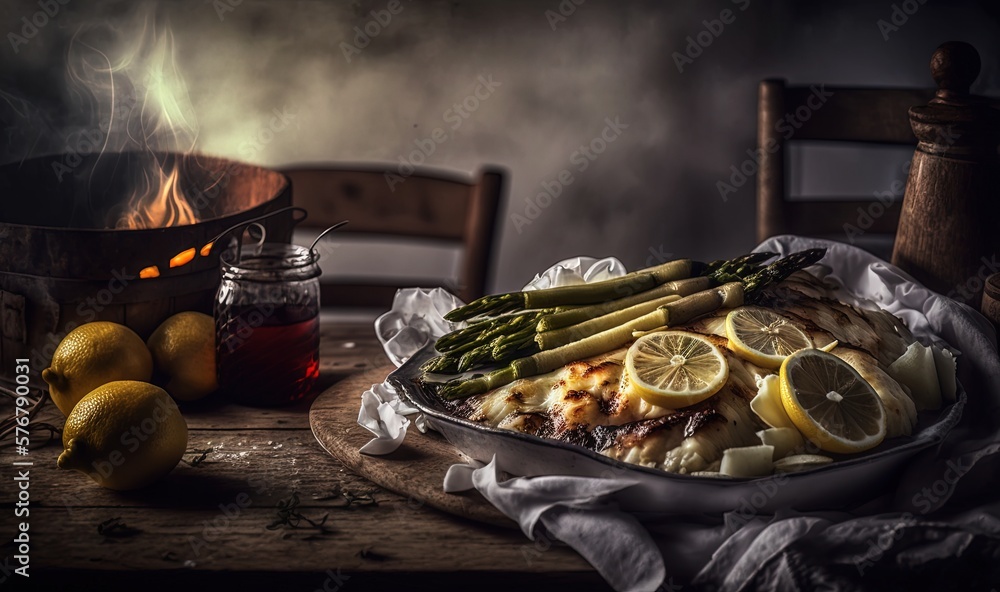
(592, 293)
(545, 361)
(558, 337)
(560, 318)
(507, 340)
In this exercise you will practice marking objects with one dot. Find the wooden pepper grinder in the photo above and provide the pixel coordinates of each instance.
(947, 236)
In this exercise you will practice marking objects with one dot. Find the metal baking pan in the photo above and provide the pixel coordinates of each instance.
(656, 493)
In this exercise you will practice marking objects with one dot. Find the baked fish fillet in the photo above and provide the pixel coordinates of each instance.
(592, 403)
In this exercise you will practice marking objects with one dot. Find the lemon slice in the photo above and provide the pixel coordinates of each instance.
(763, 337)
(830, 403)
(675, 369)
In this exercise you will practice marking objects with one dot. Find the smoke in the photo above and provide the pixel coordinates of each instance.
(277, 83)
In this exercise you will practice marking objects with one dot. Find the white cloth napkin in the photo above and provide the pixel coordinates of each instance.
(417, 318)
(576, 511)
(768, 552)
(578, 270)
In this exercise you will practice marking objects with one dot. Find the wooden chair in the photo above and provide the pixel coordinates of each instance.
(424, 206)
(858, 115)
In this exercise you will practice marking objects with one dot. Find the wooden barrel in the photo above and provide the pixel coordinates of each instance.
(991, 300)
(61, 265)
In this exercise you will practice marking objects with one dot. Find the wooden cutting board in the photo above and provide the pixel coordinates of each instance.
(415, 470)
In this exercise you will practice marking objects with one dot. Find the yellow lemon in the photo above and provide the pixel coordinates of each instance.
(183, 349)
(763, 337)
(125, 435)
(675, 369)
(94, 354)
(830, 403)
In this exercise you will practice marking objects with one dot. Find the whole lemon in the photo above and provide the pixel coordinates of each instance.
(125, 435)
(94, 354)
(183, 349)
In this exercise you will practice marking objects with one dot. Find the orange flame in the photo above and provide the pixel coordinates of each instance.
(162, 207)
(140, 98)
(149, 272)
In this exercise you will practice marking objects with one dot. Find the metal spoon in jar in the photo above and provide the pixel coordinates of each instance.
(312, 247)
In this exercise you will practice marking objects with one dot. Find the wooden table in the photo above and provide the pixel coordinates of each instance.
(206, 524)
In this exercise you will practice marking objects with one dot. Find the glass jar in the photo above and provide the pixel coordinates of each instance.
(267, 324)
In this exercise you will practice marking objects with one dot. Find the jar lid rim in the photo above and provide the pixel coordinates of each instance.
(270, 259)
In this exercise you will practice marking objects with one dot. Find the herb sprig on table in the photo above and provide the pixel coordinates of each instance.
(289, 516)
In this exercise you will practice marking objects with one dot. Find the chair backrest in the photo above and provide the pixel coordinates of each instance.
(821, 113)
(424, 205)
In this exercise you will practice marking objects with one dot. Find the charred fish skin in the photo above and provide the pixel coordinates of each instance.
(806, 299)
(591, 403)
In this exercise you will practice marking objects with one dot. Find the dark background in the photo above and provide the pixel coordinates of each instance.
(651, 194)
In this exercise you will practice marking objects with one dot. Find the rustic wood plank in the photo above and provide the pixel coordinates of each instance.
(877, 115)
(272, 463)
(421, 206)
(99, 579)
(408, 544)
(191, 531)
(416, 469)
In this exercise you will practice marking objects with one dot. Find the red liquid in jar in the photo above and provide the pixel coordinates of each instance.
(268, 357)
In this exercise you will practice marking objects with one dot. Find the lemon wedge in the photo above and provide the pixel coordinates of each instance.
(830, 403)
(763, 337)
(675, 369)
